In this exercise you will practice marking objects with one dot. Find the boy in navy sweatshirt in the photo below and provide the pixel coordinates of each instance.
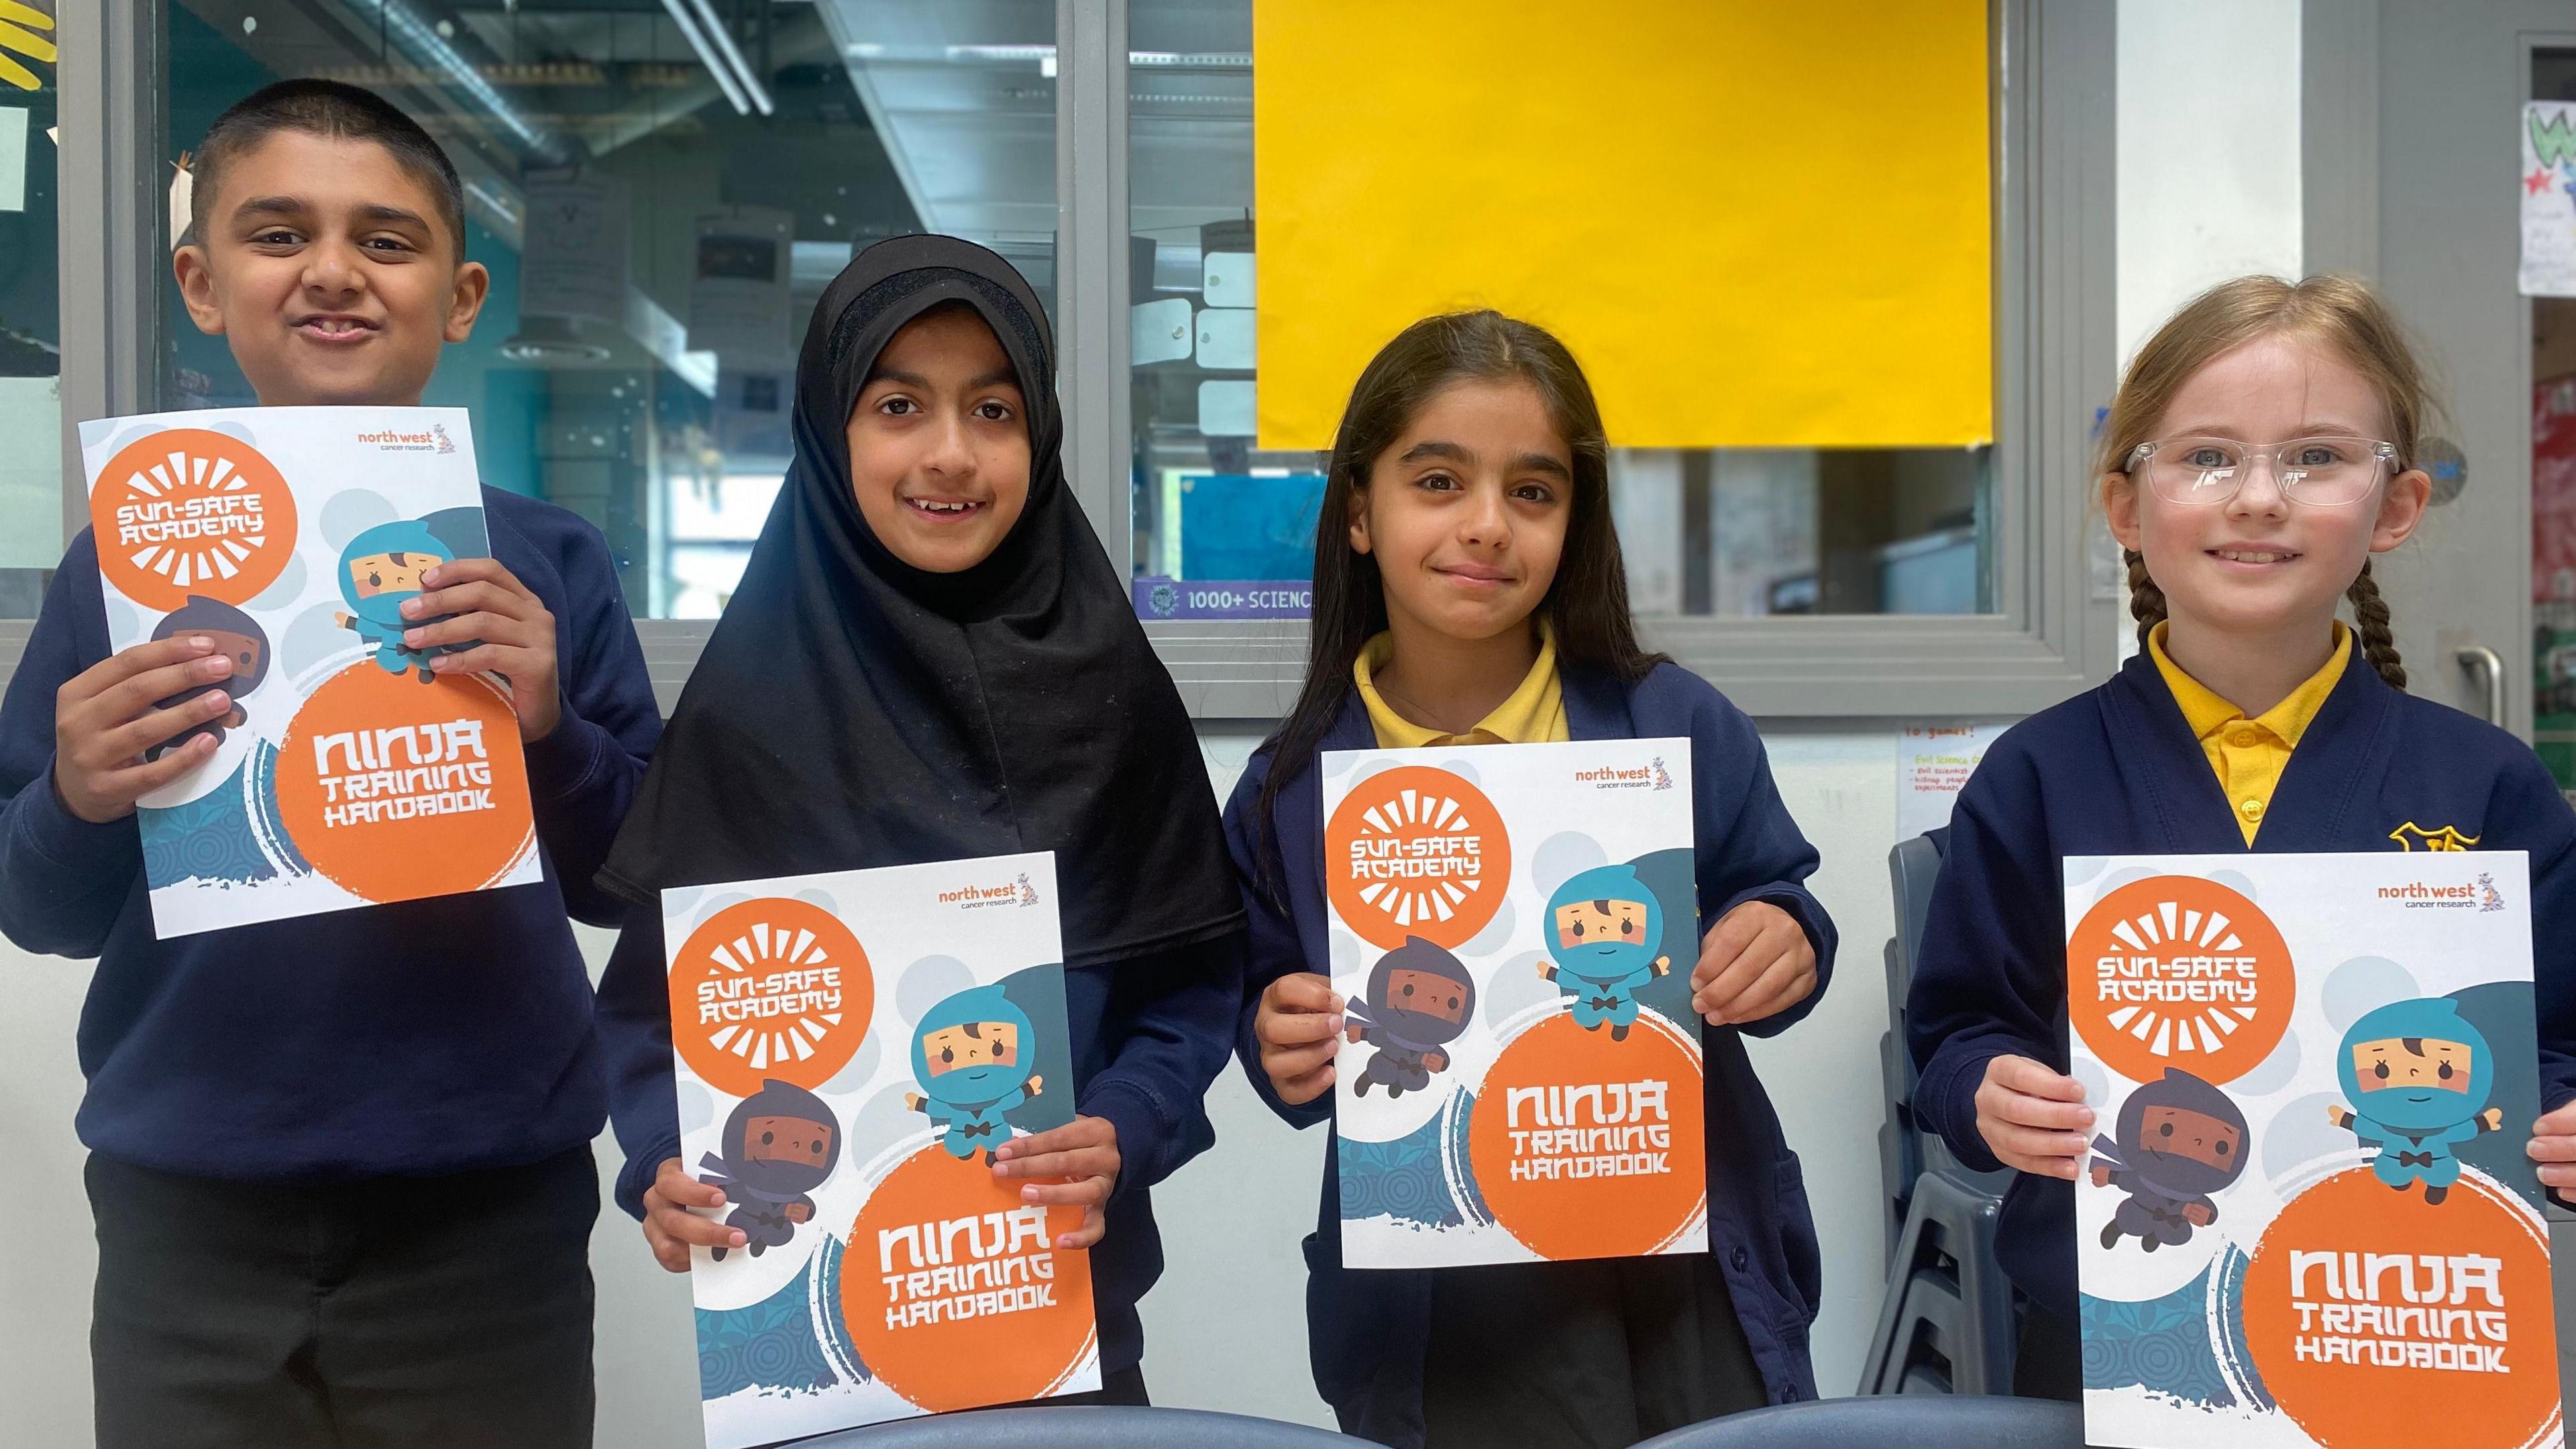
(340, 1165)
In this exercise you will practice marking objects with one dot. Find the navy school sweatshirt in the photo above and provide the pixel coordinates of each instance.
(2117, 771)
(1149, 1035)
(1367, 1329)
(423, 1037)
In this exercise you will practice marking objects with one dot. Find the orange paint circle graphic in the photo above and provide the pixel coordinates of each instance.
(953, 1291)
(2375, 1317)
(187, 511)
(770, 988)
(396, 789)
(1586, 1147)
(1416, 851)
(2176, 971)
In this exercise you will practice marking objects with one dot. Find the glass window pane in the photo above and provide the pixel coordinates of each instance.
(1226, 530)
(658, 223)
(31, 334)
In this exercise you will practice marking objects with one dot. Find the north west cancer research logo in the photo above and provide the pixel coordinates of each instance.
(187, 511)
(1416, 851)
(772, 988)
(2175, 971)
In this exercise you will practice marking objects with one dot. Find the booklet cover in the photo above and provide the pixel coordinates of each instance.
(850, 1048)
(2308, 1216)
(345, 773)
(1513, 929)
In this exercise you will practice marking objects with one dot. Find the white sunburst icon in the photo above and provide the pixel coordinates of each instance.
(794, 1032)
(1406, 901)
(2169, 928)
(197, 559)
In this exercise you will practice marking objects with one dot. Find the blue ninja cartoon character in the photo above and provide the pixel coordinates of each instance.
(1419, 999)
(2418, 1075)
(379, 571)
(970, 1053)
(779, 1145)
(2180, 1141)
(1607, 929)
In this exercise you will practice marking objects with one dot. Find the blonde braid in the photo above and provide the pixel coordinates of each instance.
(2370, 613)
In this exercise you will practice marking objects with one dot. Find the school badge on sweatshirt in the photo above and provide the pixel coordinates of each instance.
(1513, 929)
(2307, 1216)
(345, 773)
(849, 1049)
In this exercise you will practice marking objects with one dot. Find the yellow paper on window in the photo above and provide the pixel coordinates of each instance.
(1757, 224)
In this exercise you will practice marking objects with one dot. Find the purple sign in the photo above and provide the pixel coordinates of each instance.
(1162, 598)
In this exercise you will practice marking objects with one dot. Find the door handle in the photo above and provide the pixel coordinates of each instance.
(2488, 667)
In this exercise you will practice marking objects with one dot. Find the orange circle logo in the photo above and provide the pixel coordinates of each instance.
(770, 988)
(2375, 1317)
(2176, 971)
(954, 1293)
(1415, 851)
(395, 789)
(1588, 1148)
(191, 512)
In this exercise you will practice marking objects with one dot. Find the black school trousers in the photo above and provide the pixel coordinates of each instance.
(451, 1311)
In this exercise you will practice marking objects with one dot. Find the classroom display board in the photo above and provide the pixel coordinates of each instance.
(345, 773)
(849, 1049)
(2308, 1217)
(1513, 931)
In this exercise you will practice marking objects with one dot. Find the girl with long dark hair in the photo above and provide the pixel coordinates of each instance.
(1469, 590)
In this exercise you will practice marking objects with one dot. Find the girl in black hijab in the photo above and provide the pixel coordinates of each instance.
(930, 658)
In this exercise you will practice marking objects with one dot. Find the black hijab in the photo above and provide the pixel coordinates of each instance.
(852, 710)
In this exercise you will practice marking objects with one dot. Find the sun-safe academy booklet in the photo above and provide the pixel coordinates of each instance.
(345, 773)
(2308, 1216)
(1513, 929)
(850, 1048)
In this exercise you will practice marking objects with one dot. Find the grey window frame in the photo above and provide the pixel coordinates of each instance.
(2054, 631)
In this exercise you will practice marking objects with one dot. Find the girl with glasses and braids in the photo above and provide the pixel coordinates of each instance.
(2262, 448)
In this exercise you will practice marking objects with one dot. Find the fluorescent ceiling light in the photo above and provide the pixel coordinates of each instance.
(714, 63)
(724, 42)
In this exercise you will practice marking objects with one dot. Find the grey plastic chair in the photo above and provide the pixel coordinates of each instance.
(1947, 1324)
(1952, 1422)
(1085, 1428)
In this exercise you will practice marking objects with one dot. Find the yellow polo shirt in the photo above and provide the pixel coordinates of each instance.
(1535, 713)
(2249, 754)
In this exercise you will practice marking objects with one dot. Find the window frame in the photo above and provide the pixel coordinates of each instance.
(2055, 341)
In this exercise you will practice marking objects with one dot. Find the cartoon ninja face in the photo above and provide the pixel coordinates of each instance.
(390, 573)
(1430, 992)
(970, 1045)
(781, 1140)
(2180, 1132)
(2182, 1135)
(1607, 924)
(786, 1139)
(973, 1047)
(234, 633)
(1420, 994)
(381, 568)
(2417, 1066)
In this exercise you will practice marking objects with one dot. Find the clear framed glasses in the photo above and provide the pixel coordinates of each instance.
(2324, 472)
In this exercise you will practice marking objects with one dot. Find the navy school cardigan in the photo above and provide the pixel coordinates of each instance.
(427, 1036)
(2117, 771)
(1367, 1329)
